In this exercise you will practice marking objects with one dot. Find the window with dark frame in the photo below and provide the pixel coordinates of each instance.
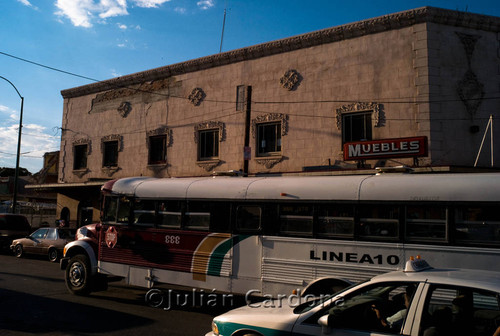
(208, 144)
(379, 222)
(296, 219)
(335, 220)
(356, 126)
(269, 139)
(157, 149)
(110, 154)
(80, 159)
(248, 218)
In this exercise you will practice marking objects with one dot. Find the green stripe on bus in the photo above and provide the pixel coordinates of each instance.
(217, 257)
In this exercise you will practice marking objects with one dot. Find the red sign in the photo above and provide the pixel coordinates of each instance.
(247, 153)
(386, 148)
(111, 237)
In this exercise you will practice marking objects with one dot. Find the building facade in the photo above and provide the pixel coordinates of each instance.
(358, 95)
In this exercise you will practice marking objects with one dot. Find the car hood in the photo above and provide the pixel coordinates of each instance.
(20, 241)
(265, 317)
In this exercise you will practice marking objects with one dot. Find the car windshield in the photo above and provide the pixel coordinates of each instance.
(321, 300)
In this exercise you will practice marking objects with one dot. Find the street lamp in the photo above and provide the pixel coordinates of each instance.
(16, 178)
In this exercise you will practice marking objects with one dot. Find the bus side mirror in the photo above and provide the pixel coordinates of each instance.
(323, 322)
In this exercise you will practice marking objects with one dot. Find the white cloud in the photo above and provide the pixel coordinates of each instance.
(28, 4)
(35, 141)
(82, 13)
(149, 3)
(205, 4)
(125, 27)
(180, 10)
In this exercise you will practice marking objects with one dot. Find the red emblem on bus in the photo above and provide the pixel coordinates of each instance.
(111, 237)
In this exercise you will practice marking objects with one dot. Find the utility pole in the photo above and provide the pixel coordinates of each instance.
(248, 111)
(16, 178)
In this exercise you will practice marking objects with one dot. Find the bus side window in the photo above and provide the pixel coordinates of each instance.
(336, 220)
(426, 223)
(198, 216)
(248, 218)
(220, 216)
(477, 225)
(144, 213)
(379, 222)
(296, 219)
(170, 213)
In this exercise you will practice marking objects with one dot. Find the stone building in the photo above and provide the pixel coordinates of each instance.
(414, 88)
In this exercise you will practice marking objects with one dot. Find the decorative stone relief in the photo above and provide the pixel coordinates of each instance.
(80, 172)
(123, 92)
(164, 130)
(209, 164)
(210, 125)
(469, 89)
(270, 118)
(269, 162)
(83, 141)
(112, 137)
(196, 96)
(377, 116)
(124, 109)
(157, 168)
(109, 171)
(290, 80)
(122, 97)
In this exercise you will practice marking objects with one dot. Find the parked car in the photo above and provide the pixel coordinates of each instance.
(417, 301)
(49, 241)
(12, 226)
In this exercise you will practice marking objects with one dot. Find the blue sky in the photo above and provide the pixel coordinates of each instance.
(102, 39)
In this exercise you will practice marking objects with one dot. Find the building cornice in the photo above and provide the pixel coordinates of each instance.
(370, 26)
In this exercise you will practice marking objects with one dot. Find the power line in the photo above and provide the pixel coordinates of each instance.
(48, 67)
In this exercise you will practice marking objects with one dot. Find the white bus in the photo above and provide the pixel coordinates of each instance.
(272, 235)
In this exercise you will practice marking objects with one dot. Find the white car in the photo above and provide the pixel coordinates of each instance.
(419, 301)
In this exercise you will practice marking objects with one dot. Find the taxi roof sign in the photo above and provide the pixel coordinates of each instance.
(416, 265)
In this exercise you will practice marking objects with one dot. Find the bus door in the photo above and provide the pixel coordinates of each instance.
(247, 251)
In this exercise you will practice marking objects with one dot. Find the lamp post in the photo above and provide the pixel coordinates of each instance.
(16, 178)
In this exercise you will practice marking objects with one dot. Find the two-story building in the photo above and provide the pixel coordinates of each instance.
(415, 88)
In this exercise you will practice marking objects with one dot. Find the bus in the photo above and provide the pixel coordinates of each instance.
(273, 235)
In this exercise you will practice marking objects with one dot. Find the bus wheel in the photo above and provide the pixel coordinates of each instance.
(18, 250)
(53, 255)
(78, 276)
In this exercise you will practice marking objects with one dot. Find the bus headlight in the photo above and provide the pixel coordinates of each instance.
(215, 329)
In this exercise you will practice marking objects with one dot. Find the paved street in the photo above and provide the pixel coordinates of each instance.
(34, 300)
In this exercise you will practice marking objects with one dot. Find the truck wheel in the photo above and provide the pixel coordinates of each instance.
(78, 275)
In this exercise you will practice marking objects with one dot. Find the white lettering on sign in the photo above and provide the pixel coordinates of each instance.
(377, 148)
(386, 148)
